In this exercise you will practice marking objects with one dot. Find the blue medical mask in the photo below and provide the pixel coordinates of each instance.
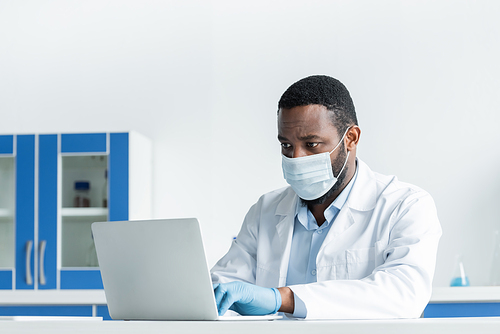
(311, 176)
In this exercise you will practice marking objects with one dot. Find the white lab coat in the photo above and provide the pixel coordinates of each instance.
(377, 260)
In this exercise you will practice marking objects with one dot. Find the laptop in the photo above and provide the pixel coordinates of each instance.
(157, 270)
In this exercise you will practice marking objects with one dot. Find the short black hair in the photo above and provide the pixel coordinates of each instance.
(326, 91)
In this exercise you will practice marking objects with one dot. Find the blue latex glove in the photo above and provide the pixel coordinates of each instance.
(246, 299)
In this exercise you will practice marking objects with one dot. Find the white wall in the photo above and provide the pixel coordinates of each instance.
(202, 80)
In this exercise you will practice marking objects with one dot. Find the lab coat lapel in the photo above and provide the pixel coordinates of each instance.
(343, 221)
(362, 198)
(284, 230)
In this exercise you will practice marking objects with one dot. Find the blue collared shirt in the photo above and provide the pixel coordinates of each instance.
(306, 241)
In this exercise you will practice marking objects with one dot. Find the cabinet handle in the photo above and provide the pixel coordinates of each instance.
(43, 244)
(29, 277)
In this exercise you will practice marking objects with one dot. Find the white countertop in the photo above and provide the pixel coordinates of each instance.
(52, 297)
(469, 294)
(407, 326)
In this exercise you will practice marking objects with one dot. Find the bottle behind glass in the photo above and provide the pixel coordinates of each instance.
(459, 277)
(82, 198)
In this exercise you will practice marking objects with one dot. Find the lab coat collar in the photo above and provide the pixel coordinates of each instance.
(287, 204)
(363, 196)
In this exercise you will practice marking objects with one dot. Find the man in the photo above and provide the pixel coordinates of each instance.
(342, 241)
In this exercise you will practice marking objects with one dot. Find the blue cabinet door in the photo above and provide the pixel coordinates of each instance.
(47, 212)
(82, 144)
(118, 176)
(25, 212)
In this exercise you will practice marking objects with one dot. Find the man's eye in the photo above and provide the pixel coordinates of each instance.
(312, 144)
(285, 145)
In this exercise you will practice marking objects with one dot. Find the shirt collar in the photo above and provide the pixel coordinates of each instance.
(302, 212)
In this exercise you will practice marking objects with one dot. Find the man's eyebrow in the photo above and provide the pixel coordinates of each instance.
(310, 137)
(281, 138)
(303, 138)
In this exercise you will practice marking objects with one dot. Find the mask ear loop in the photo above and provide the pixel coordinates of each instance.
(340, 140)
(345, 163)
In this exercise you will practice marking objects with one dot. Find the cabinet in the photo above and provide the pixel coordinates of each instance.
(45, 236)
(456, 310)
(471, 301)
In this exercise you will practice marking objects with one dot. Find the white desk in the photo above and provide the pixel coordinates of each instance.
(412, 326)
(96, 297)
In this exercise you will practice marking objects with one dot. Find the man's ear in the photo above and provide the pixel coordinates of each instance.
(352, 137)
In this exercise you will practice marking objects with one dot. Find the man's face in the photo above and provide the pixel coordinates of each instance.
(308, 130)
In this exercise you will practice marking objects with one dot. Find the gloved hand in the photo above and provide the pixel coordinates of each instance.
(246, 299)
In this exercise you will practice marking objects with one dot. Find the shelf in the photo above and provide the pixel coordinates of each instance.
(84, 212)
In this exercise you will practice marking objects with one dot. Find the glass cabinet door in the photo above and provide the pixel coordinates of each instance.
(7, 209)
(94, 186)
(84, 200)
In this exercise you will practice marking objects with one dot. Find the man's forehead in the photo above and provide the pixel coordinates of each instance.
(306, 120)
(306, 110)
